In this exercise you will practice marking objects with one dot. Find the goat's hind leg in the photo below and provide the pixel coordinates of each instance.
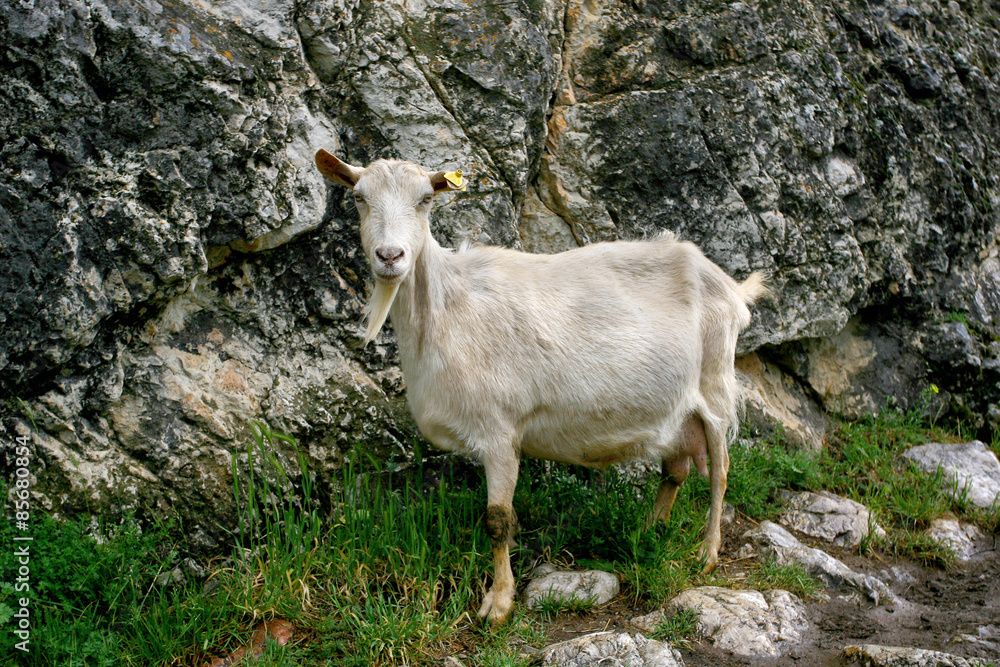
(672, 476)
(718, 456)
(674, 471)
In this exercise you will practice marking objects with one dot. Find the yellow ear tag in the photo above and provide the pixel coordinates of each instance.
(456, 180)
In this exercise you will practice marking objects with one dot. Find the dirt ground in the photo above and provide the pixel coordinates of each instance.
(936, 609)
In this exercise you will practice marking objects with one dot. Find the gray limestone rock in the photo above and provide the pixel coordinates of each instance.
(971, 467)
(839, 520)
(593, 586)
(747, 623)
(870, 655)
(610, 649)
(775, 542)
(967, 541)
(987, 636)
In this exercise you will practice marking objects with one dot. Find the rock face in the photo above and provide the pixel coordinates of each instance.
(172, 266)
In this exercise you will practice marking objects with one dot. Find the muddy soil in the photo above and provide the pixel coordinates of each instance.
(942, 610)
(938, 610)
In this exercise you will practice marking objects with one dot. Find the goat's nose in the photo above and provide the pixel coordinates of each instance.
(388, 253)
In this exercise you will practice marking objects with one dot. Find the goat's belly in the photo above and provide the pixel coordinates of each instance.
(591, 455)
(593, 449)
(442, 437)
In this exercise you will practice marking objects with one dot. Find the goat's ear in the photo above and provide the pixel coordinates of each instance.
(337, 170)
(446, 181)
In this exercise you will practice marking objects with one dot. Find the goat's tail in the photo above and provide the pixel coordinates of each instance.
(753, 288)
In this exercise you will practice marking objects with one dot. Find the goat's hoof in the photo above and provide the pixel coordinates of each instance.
(496, 607)
(711, 559)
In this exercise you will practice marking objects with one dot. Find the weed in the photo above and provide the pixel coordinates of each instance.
(385, 583)
(758, 471)
(554, 604)
(498, 647)
(956, 316)
(379, 575)
(865, 465)
(987, 518)
(792, 577)
(600, 517)
(582, 511)
(922, 548)
(678, 628)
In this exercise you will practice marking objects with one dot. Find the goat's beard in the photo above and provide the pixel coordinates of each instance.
(378, 307)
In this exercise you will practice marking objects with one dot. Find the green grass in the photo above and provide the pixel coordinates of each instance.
(392, 571)
(554, 605)
(678, 628)
(793, 578)
(89, 599)
(865, 464)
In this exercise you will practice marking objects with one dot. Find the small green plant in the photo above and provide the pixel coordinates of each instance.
(920, 547)
(499, 647)
(554, 604)
(956, 316)
(791, 577)
(678, 628)
(758, 471)
(987, 518)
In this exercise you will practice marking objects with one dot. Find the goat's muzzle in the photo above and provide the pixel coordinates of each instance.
(388, 265)
(388, 253)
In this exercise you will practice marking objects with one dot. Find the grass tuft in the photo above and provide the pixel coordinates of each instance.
(552, 605)
(678, 628)
(792, 577)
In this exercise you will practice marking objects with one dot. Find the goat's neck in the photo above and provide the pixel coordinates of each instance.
(420, 307)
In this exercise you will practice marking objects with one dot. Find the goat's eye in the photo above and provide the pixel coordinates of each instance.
(427, 199)
(359, 198)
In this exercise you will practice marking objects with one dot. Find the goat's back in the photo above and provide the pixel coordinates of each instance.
(589, 353)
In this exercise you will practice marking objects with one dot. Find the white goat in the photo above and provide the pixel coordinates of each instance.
(591, 356)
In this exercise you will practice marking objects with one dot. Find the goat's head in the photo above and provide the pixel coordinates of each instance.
(394, 200)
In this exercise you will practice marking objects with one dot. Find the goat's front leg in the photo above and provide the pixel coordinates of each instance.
(501, 477)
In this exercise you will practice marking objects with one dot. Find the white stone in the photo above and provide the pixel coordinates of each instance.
(841, 521)
(610, 649)
(648, 622)
(971, 467)
(987, 636)
(748, 623)
(871, 655)
(843, 176)
(777, 543)
(962, 538)
(595, 586)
